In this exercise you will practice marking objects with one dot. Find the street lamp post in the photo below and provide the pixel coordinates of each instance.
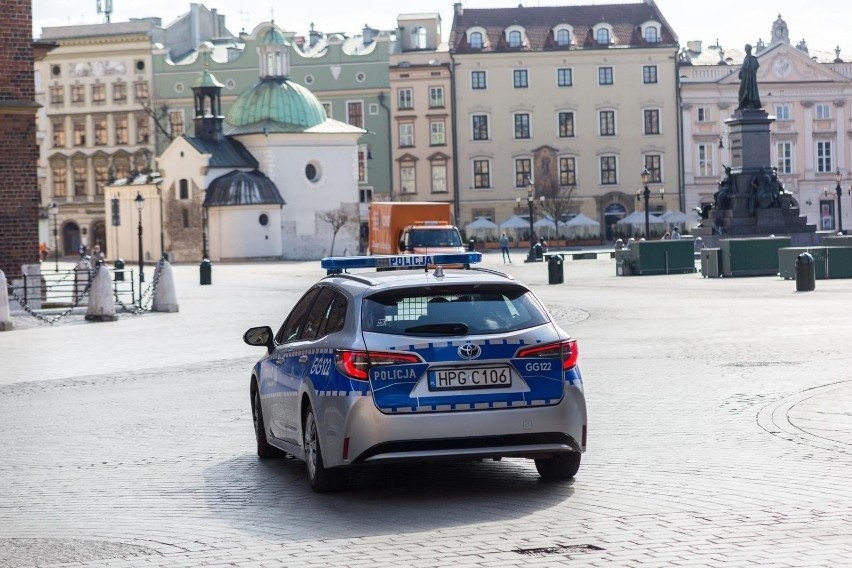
(530, 198)
(838, 177)
(54, 212)
(646, 195)
(140, 203)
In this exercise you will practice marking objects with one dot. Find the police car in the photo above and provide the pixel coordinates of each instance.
(420, 364)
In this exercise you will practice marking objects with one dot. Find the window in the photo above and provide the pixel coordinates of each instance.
(522, 126)
(782, 112)
(121, 130)
(823, 111)
(566, 124)
(480, 127)
(407, 179)
(418, 37)
(404, 99)
(406, 134)
(327, 108)
(100, 130)
(58, 133)
(653, 165)
(477, 80)
(57, 95)
(365, 195)
(122, 167)
(602, 36)
(60, 179)
(515, 39)
(703, 114)
(437, 133)
(649, 74)
(315, 319)
(183, 189)
(826, 214)
(101, 175)
(355, 113)
(481, 174)
(520, 79)
(78, 94)
(608, 170)
(176, 122)
(604, 75)
(607, 122)
(184, 214)
(567, 171)
(784, 161)
(476, 40)
(523, 172)
(563, 38)
(119, 92)
(652, 35)
(439, 177)
(292, 327)
(362, 163)
(79, 125)
(564, 77)
(141, 90)
(824, 157)
(98, 93)
(80, 177)
(143, 130)
(705, 160)
(652, 121)
(436, 97)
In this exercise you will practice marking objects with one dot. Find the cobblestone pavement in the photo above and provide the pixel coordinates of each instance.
(720, 435)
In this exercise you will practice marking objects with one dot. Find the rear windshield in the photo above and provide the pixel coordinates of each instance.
(453, 310)
(433, 238)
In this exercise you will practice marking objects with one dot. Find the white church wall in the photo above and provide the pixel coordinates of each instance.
(236, 232)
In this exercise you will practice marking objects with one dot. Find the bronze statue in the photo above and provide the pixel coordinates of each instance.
(749, 97)
(722, 198)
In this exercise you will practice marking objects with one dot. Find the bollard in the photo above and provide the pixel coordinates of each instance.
(206, 272)
(5, 318)
(165, 299)
(555, 270)
(805, 273)
(101, 300)
(471, 245)
(119, 270)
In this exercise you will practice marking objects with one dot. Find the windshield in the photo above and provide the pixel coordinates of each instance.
(456, 310)
(424, 238)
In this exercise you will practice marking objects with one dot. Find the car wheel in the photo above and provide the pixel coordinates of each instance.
(563, 466)
(264, 449)
(320, 479)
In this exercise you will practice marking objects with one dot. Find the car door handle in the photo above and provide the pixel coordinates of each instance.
(303, 359)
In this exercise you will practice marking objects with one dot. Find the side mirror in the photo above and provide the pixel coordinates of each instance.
(260, 337)
(401, 246)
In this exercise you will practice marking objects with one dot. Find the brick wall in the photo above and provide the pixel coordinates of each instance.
(19, 194)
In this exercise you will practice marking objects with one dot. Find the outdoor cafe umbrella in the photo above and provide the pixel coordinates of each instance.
(582, 226)
(545, 225)
(515, 222)
(637, 220)
(481, 227)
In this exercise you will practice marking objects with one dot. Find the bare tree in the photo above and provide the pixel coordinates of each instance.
(160, 114)
(557, 199)
(337, 218)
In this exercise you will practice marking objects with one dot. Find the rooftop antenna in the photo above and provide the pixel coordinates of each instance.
(106, 9)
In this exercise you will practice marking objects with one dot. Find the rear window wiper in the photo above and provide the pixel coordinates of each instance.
(438, 329)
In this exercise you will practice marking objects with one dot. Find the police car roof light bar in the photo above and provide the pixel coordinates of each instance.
(337, 264)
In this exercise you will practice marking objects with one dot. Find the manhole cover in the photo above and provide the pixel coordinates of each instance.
(38, 551)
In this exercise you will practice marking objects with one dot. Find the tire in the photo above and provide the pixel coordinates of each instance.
(559, 468)
(321, 479)
(264, 449)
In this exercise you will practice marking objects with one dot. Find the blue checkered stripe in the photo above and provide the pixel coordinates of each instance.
(393, 385)
(320, 370)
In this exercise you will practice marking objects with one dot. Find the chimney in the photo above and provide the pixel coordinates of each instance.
(694, 46)
(313, 36)
(458, 10)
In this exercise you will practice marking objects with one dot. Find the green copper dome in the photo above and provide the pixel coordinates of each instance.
(271, 36)
(275, 104)
(207, 79)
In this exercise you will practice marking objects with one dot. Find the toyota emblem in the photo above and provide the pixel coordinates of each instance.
(469, 351)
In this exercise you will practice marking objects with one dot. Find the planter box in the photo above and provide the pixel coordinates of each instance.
(645, 258)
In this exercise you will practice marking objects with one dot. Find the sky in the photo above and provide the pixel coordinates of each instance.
(733, 22)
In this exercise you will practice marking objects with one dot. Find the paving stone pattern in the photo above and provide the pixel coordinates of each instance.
(720, 434)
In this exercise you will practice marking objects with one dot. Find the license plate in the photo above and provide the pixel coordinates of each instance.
(476, 378)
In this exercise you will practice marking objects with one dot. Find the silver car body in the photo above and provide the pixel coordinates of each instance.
(401, 412)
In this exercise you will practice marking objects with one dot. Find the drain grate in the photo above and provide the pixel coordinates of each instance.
(560, 549)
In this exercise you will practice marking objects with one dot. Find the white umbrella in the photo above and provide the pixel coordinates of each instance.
(676, 217)
(481, 223)
(515, 222)
(638, 218)
(581, 225)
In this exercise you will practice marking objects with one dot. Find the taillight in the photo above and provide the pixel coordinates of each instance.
(565, 350)
(356, 364)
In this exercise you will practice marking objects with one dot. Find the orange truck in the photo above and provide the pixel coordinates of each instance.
(413, 227)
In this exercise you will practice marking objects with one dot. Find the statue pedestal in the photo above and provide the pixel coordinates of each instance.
(749, 140)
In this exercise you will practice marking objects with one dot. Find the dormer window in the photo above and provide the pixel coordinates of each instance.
(602, 36)
(475, 40)
(418, 37)
(563, 38)
(652, 34)
(515, 39)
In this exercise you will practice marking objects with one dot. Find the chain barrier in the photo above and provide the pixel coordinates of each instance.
(147, 296)
(63, 315)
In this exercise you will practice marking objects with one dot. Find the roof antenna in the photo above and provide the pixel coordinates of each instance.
(106, 10)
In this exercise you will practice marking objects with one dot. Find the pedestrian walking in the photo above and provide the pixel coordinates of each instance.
(504, 248)
(675, 234)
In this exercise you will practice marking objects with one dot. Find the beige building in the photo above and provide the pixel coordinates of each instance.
(808, 92)
(421, 143)
(577, 99)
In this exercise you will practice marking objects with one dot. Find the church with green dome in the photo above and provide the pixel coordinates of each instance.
(270, 176)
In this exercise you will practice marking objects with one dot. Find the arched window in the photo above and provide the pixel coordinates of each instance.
(515, 39)
(476, 40)
(563, 38)
(651, 35)
(184, 189)
(418, 37)
(602, 36)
